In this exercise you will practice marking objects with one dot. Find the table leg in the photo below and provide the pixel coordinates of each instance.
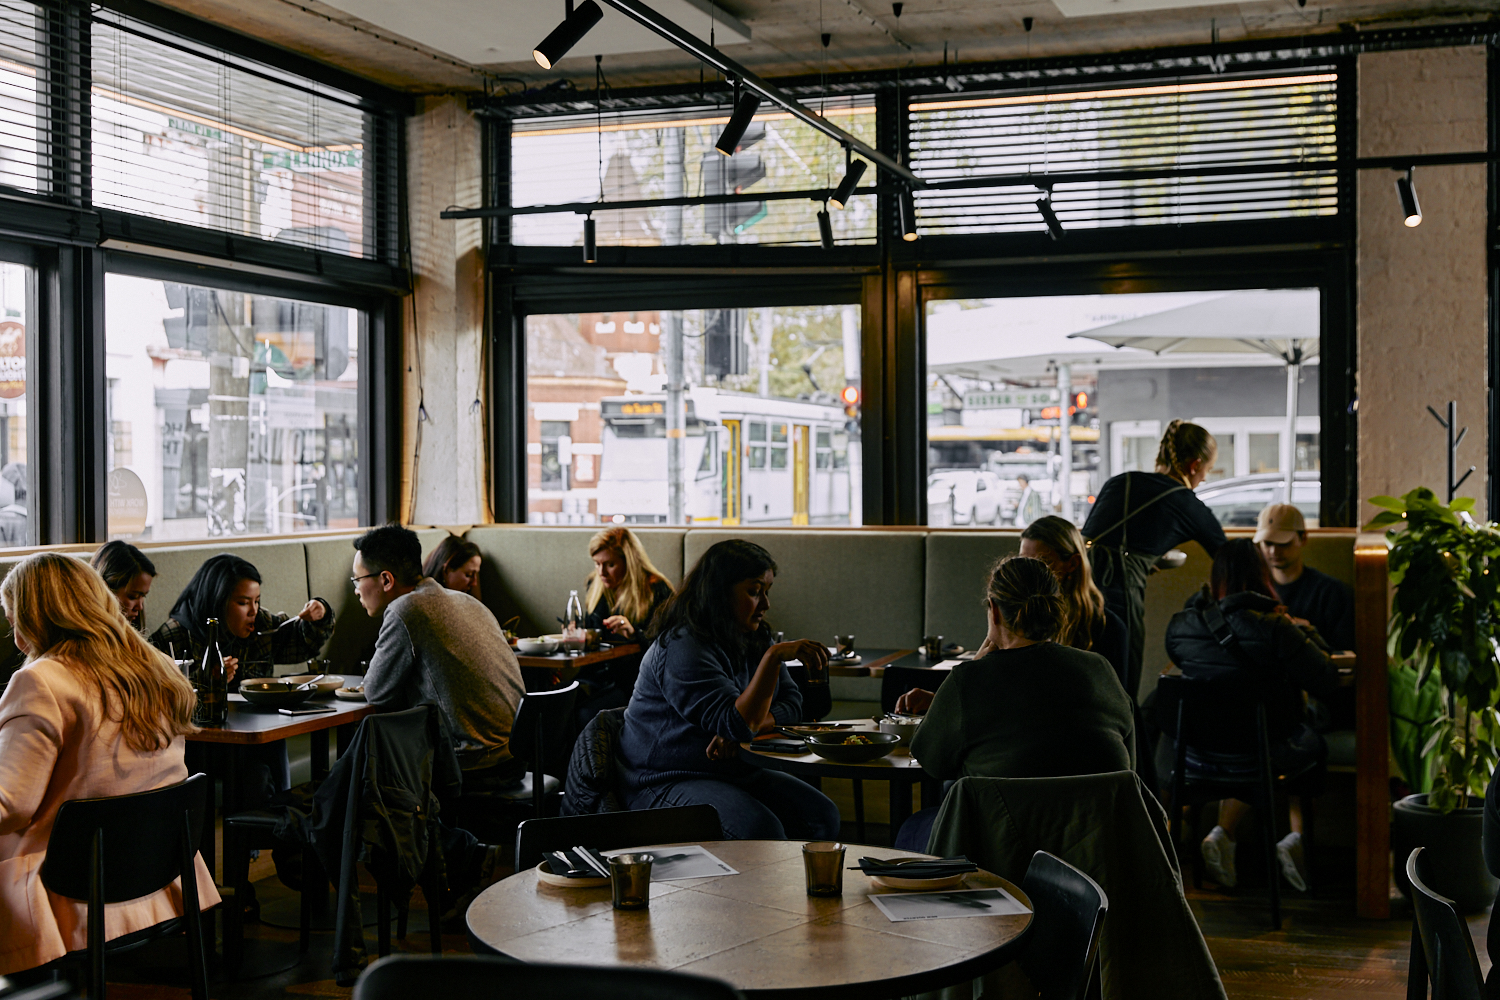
(900, 803)
(319, 754)
(345, 734)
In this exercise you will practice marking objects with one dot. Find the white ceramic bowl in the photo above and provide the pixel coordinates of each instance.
(536, 647)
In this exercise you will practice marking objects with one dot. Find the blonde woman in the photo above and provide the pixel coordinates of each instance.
(1141, 515)
(625, 590)
(1089, 625)
(94, 712)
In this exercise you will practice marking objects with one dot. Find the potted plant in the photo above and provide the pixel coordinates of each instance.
(1444, 626)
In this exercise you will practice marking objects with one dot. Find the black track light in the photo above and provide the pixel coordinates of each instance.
(1411, 211)
(1054, 227)
(845, 190)
(744, 113)
(568, 34)
(825, 229)
(590, 243)
(907, 211)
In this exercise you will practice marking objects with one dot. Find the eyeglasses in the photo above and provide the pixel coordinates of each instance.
(355, 579)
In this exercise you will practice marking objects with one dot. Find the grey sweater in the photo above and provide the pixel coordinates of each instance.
(442, 646)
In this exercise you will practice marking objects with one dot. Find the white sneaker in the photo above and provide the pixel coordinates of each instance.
(1289, 854)
(1218, 857)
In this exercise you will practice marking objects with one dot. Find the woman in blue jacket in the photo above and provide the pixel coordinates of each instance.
(711, 680)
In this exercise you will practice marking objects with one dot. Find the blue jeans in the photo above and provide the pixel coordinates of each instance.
(763, 805)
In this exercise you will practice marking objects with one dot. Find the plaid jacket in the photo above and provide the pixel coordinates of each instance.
(278, 638)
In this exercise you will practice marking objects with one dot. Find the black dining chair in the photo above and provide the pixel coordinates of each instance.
(543, 732)
(474, 977)
(1224, 716)
(123, 847)
(1061, 956)
(1442, 952)
(605, 831)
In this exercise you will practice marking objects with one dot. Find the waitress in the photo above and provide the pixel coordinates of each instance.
(1138, 517)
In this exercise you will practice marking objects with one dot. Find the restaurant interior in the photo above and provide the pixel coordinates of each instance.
(886, 463)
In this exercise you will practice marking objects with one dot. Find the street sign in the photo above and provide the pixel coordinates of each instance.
(1010, 399)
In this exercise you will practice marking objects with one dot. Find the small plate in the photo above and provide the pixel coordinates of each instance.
(350, 694)
(545, 875)
(930, 884)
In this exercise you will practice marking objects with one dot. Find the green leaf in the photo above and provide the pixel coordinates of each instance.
(1389, 503)
(1382, 519)
(1461, 503)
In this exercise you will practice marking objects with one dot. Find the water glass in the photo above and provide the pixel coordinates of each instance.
(844, 644)
(630, 880)
(823, 861)
(932, 646)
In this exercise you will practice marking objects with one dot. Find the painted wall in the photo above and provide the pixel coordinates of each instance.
(1421, 293)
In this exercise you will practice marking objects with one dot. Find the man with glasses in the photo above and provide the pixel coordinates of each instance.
(441, 646)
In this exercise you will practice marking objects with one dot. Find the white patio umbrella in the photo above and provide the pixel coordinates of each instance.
(1282, 323)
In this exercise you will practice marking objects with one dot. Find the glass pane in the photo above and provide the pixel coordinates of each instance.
(1307, 453)
(764, 441)
(17, 311)
(1265, 453)
(230, 413)
(19, 117)
(1006, 375)
(192, 139)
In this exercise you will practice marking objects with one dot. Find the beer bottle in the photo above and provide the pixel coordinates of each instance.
(212, 682)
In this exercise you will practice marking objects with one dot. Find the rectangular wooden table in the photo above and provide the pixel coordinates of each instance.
(871, 662)
(555, 669)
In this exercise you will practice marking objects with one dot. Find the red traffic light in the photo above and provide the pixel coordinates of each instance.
(850, 395)
(1081, 400)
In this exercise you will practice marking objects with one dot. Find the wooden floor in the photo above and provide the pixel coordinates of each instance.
(1322, 951)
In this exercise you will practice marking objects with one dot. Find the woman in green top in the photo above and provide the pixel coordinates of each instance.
(1026, 706)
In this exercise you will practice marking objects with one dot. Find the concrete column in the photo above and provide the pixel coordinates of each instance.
(1422, 333)
(444, 468)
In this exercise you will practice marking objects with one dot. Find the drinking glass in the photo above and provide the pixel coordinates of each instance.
(823, 861)
(844, 644)
(932, 646)
(630, 880)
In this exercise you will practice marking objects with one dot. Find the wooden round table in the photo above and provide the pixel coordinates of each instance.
(758, 931)
(898, 767)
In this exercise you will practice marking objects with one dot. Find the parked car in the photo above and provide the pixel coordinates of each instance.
(975, 493)
(1238, 501)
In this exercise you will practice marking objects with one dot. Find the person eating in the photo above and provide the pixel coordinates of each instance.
(1309, 594)
(711, 680)
(455, 564)
(623, 594)
(94, 712)
(1090, 624)
(129, 575)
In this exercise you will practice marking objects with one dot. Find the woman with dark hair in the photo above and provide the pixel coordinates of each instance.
(128, 574)
(711, 680)
(455, 564)
(1285, 658)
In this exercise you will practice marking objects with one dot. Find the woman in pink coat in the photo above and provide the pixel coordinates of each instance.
(95, 711)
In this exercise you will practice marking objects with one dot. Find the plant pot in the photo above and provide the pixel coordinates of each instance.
(1454, 855)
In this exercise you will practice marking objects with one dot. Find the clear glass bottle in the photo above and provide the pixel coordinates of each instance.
(573, 636)
(211, 682)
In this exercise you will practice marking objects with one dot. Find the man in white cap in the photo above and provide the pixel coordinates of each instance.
(1315, 597)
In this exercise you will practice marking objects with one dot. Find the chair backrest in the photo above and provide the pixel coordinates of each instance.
(896, 681)
(1219, 713)
(142, 840)
(605, 831)
(1446, 944)
(476, 977)
(547, 715)
(1063, 945)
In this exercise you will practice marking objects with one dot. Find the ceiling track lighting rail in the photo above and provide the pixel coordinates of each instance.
(588, 207)
(706, 53)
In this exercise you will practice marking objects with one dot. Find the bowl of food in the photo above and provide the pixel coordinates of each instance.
(326, 684)
(277, 693)
(540, 646)
(904, 726)
(851, 748)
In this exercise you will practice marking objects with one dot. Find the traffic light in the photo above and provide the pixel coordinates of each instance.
(1077, 403)
(732, 175)
(850, 398)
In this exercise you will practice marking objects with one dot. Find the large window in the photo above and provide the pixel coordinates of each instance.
(1032, 403)
(17, 313)
(229, 413)
(193, 135)
(766, 438)
(670, 154)
(19, 121)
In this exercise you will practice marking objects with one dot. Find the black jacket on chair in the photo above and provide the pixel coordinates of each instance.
(1287, 658)
(593, 784)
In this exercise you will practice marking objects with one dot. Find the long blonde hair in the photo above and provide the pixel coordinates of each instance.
(64, 611)
(633, 598)
(1181, 446)
(1085, 601)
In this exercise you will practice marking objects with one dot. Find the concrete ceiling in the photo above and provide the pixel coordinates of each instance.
(446, 45)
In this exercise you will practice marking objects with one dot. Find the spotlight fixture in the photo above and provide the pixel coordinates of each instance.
(1410, 209)
(908, 213)
(845, 190)
(1054, 227)
(825, 229)
(568, 34)
(590, 243)
(744, 113)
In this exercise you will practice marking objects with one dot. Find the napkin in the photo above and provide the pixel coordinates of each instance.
(570, 864)
(937, 868)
